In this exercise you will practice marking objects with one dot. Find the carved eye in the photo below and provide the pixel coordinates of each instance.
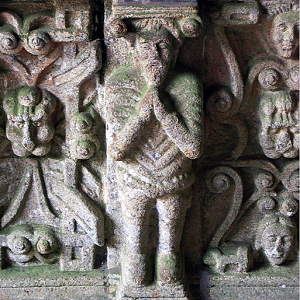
(37, 124)
(281, 27)
(19, 124)
(271, 238)
(287, 239)
(164, 47)
(145, 46)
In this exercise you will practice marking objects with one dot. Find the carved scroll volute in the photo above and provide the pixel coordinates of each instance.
(224, 103)
(225, 187)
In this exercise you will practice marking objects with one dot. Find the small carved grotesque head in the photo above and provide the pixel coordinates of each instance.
(154, 51)
(285, 34)
(29, 126)
(279, 117)
(276, 238)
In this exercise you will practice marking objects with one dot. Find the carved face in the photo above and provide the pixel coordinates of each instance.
(285, 34)
(154, 53)
(29, 127)
(277, 242)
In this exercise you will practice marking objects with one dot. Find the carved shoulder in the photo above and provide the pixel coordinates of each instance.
(186, 93)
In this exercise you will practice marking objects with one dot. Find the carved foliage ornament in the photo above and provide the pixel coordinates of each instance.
(48, 105)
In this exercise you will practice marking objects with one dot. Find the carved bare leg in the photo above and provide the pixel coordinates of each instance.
(136, 209)
(171, 210)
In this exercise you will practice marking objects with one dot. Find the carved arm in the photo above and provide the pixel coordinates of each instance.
(126, 138)
(184, 126)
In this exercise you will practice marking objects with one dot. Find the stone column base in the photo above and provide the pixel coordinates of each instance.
(274, 283)
(154, 291)
(48, 282)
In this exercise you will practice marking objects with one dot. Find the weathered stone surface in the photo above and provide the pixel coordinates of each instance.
(129, 179)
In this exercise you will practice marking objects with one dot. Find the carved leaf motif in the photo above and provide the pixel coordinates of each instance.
(266, 181)
(79, 62)
(90, 183)
(17, 199)
(31, 181)
(30, 72)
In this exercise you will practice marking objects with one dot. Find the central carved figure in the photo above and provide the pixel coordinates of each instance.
(158, 110)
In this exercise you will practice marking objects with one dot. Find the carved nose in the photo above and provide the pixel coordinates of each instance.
(27, 142)
(278, 246)
(154, 53)
(289, 34)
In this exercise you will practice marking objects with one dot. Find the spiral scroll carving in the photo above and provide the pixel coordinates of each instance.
(219, 180)
(9, 43)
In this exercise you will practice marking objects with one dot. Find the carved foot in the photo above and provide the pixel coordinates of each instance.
(136, 270)
(169, 268)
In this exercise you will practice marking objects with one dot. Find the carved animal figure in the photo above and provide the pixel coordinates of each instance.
(237, 257)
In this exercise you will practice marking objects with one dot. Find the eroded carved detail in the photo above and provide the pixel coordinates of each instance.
(229, 257)
(243, 189)
(285, 31)
(279, 117)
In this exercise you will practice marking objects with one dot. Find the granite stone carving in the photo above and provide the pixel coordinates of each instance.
(158, 132)
(46, 94)
(29, 127)
(275, 236)
(149, 149)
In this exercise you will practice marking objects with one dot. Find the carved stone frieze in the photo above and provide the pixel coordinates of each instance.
(167, 171)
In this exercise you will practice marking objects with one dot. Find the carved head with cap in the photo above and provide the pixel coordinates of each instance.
(29, 126)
